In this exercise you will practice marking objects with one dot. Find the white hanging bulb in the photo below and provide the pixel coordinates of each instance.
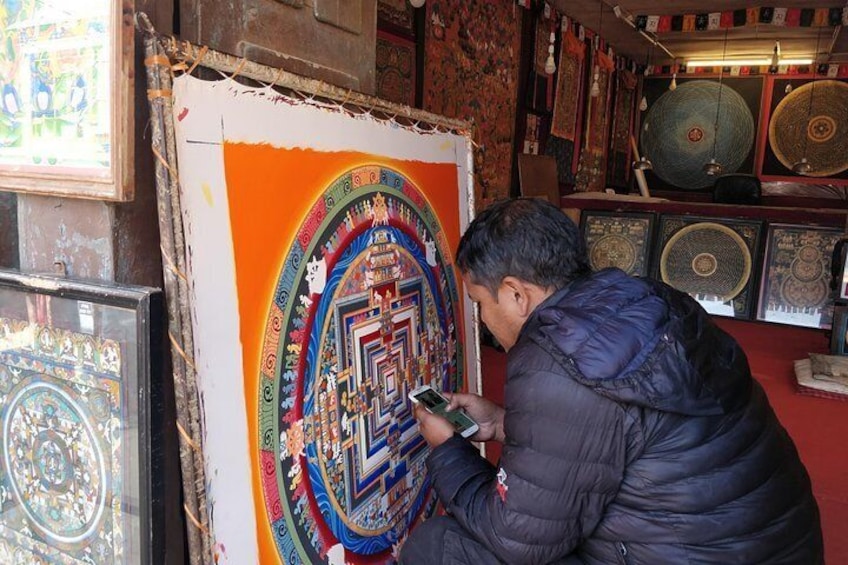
(417, 3)
(673, 86)
(596, 87)
(643, 105)
(550, 65)
(788, 89)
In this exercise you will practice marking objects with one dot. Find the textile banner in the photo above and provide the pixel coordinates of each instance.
(618, 167)
(472, 53)
(569, 83)
(752, 16)
(320, 244)
(591, 174)
(395, 68)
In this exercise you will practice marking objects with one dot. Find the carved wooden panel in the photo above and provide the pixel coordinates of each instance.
(335, 41)
(344, 14)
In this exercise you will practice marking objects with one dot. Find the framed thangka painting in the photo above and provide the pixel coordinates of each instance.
(332, 236)
(711, 259)
(396, 68)
(703, 118)
(806, 121)
(79, 478)
(618, 239)
(796, 279)
(66, 87)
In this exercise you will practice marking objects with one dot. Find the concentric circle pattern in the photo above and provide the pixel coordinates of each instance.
(54, 462)
(365, 310)
(812, 123)
(679, 133)
(613, 250)
(706, 259)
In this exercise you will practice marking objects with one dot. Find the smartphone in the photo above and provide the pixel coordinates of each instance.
(435, 403)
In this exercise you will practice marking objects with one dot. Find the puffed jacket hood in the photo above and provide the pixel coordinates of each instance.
(607, 325)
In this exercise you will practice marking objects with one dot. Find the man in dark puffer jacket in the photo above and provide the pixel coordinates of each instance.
(632, 431)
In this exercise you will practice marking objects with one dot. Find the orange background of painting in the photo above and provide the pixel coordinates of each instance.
(270, 191)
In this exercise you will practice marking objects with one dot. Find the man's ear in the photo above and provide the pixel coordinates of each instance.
(518, 294)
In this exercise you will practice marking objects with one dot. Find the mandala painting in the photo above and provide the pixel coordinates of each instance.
(701, 119)
(61, 445)
(73, 477)
(807, 120)
(334, 233)
(618, 239)
(364, 312)
(711, 259)
(796, 276)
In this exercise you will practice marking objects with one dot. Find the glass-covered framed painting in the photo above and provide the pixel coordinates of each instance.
(80, 422)
(711, 259)
(618, 239)
(796, 275)
(66, 107)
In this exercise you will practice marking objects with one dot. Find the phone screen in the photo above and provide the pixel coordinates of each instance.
(437, 404)
(432, 400)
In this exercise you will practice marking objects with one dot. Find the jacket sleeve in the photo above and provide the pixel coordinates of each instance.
(562, 463)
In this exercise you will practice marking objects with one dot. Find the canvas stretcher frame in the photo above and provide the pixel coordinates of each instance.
(163, 55)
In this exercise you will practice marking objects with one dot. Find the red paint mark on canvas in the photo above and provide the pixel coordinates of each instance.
(183, 114)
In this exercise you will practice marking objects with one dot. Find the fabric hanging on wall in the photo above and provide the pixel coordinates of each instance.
(395, 68)
(569, 83)
(563, 151)
(543, 40)
(323, 291)
(472, 58)
(398, 13)
(591, 172)
(619, 162)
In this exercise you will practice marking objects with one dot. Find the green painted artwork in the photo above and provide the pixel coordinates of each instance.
(55, 111)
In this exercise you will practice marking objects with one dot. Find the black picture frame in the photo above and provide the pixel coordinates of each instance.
(839, 330)
(795, 286)
(743, 234)
(629, 237)
(81, 387)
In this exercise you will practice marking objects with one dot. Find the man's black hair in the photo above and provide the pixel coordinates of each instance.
(528, 238)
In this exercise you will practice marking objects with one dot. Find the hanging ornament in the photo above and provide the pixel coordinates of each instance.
(550, 65)
(596, 87)
(643, 105)
(595, 91)
(804, 167)
(788, 89)
(713, 168)
(642, 164)
(673, 86)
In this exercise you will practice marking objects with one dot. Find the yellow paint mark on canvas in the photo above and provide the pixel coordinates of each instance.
(446, 145)
(207, 194)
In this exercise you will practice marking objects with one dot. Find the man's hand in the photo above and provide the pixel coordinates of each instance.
(435, 429)
(488, 415)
